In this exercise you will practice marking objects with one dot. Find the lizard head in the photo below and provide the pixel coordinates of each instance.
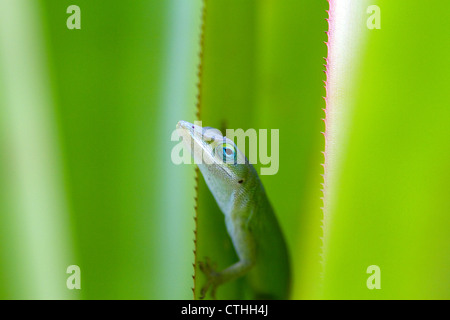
(224, 167)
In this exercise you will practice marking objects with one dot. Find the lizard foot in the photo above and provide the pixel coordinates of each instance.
(212, 277)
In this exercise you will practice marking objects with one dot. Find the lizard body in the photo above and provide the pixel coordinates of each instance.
(249, 217)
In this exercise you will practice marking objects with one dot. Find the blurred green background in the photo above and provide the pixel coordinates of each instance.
(86, 118)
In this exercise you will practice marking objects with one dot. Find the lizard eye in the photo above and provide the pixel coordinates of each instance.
(228, 152)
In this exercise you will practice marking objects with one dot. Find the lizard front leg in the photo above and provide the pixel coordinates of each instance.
(215, 279)
(245, 248)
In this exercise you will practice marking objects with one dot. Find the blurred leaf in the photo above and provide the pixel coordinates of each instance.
(36, 244)
(386, 198)
(119, 86)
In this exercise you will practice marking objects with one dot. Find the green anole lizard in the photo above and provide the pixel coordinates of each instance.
(249, 217)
